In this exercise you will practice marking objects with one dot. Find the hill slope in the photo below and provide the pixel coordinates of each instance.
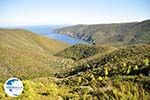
(27, 55)
(116, 34)
(82, 51)
(99, 72)
(120, 75)
(23, 39)
(115, 59)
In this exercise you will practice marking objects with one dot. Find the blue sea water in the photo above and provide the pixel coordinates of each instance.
(49, 32)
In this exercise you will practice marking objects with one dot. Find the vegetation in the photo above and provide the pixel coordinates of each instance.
(120, 75)
(82, 51)
(51, 70)
(132, 59)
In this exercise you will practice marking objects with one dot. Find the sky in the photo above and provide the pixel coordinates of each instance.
(49, 12)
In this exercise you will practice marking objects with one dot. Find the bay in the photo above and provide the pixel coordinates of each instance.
(48, 30)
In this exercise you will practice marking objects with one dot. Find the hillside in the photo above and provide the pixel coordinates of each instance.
(53, 70)
(117, 61)
(115, 34)
(81, 51)
(23, 39)
(120, 75)
(27, 55)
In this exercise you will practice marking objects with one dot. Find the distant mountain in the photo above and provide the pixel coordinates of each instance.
(116, 34)
(26, 55)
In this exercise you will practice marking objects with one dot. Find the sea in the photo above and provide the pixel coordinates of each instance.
(48, 31)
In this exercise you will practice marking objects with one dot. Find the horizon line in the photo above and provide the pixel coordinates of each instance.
(26, 25)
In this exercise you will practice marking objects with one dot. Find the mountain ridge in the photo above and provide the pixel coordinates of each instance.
(115, 33)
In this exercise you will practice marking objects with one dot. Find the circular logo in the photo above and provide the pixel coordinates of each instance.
(13, 87)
